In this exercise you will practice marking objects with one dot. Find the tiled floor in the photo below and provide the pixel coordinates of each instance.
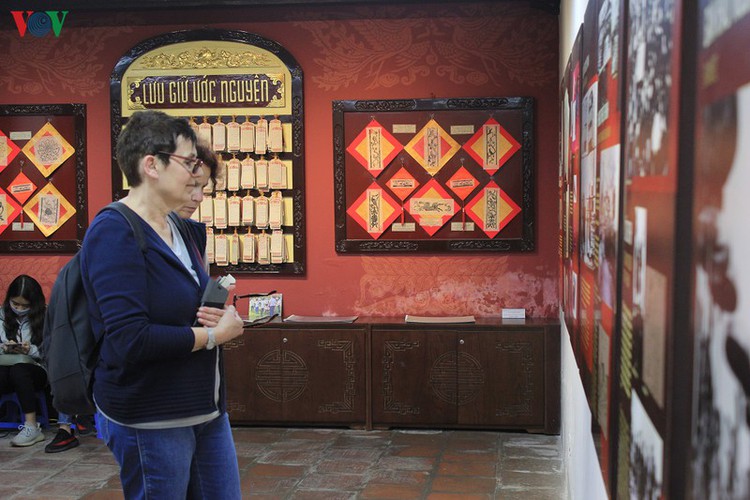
(292, 463)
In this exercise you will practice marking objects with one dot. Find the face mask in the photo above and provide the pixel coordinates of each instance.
(20, 313)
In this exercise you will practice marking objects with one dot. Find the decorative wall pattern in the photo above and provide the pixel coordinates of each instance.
(383, 53)
(46, 66)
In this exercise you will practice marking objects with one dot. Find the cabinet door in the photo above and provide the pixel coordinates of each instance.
(252, 367)
(413, 377)
(324, 376)
(501, 378)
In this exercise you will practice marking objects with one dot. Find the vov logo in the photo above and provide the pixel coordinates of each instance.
(39, 23)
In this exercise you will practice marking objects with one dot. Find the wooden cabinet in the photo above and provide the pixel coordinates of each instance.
(386, 373)
(492, 375)
(297, 375)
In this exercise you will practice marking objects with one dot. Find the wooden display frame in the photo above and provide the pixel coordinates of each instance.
(403, 123)
(225, 68)
(69, 178)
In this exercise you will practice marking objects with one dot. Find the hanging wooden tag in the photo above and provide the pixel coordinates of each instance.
(247, 173)
(221, 176)
(247, 136)
(220, 210)
(219, 135)
(264, 249)
(275, 136)
(234, 248)
(278, 250)
(204, 131)
(261, 174)
(233, 136)
(248, 210)
(277, 174)
(210, 246)
(233, 174)
(247, 245)
(207, 211)
(275, 210)
(235, 210)
(261, 136)
(221, 250)
(261, 212)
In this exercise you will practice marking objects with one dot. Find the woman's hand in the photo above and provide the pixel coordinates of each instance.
(229, 326)
(209, 316)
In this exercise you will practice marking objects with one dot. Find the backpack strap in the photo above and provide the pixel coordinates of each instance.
(133, 219)
(187, 234)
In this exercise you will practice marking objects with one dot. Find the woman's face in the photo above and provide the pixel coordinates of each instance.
(177, 181)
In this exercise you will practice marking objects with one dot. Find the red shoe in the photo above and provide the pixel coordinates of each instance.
(64, 440)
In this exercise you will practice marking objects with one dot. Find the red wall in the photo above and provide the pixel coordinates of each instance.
(461, 49)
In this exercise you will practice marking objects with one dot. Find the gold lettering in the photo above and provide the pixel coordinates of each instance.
(153, 93)
(264, 91)
(178, 92)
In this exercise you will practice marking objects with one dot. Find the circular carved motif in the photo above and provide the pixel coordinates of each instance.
(456, 379)
(281, 375)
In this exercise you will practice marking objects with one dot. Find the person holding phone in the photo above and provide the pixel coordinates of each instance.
(21, 371)
(158, 384)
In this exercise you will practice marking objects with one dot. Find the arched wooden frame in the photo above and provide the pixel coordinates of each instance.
(297, 156)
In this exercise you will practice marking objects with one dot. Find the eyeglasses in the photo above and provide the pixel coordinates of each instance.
(192, 165)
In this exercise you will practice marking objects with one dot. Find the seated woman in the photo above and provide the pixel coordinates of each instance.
(22, 318)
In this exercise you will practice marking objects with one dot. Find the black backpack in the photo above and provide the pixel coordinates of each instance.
(69, 348)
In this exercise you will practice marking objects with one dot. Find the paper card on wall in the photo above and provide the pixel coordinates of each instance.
(264, 248)
(233, 136)
(247, 173)
(275, 136)
(247, 136)
(221, 250)
(374, 148)
(261, 136)
(402, 184)
(234, 166)
(220, 211)
(492, 146)
(8, 151)
(275, 210)
(261, 174)
(462, 183)
(47, 149)
(276, 174)
(248, 210)
(277, 247)
(234, 248)
(9, 210)
(492, 209)
(235, 210)
(374, 210)
(432, 147)
(431, 207)
(204, 132)
(49, 209)
(21, 188)
(261, 212)
(207, 211)
(247, 247)
(221, 176)
(219, 131)
(210, 246)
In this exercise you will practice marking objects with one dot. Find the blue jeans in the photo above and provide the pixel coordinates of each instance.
(184, 462)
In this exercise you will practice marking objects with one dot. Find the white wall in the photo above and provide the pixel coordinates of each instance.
(582, 471)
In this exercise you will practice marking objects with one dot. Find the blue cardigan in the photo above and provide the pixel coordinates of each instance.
(144, 304)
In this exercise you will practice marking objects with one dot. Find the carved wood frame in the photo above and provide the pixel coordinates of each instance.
(344, 110)
(77, 195)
